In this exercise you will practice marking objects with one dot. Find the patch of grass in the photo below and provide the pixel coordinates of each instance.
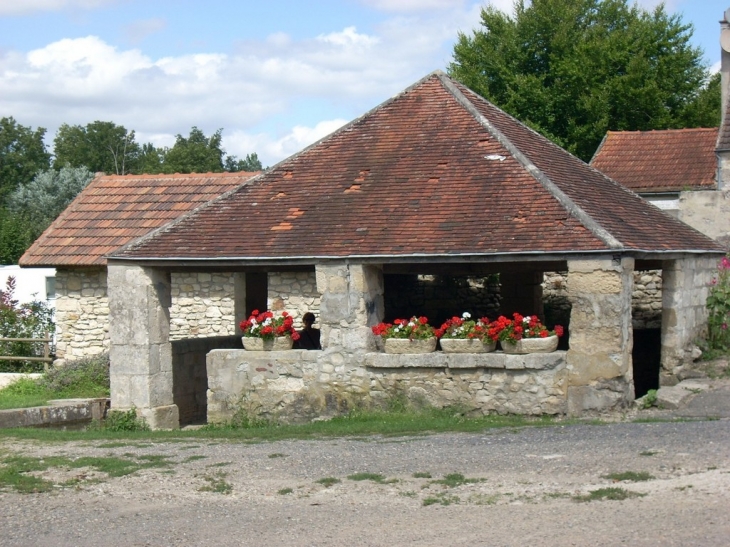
(118, 420)
(375, 477)
(649, 400)
(484, 499)
(421, 475)
(194, 458)
(327, 481)
(455, 479)
(220, 464)
(285, 491)
(113, 445)
(683, 488)
(217, 483)
(632, 476)
(278, 455)
(407, 494)
(649, 453)
(15, 470)
(611, 493)
(442, 499)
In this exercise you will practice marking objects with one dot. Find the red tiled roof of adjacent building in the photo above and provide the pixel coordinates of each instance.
(437, 171)
(114, 210)
(670, 160)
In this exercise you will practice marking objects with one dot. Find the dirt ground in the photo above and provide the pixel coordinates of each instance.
(520, 487)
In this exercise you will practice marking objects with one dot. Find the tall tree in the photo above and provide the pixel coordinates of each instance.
(250, 163)
(99, 146)
(47, 195)
(195, 153)
(22, 154)
(573, 69)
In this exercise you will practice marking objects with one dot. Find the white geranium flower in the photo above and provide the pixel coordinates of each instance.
(526, 319)
(466, 315)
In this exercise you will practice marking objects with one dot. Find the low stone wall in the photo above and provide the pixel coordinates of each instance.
(300, 385)
(189, 376)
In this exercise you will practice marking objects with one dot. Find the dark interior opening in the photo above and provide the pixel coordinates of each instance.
(646, 357)
(257, 290)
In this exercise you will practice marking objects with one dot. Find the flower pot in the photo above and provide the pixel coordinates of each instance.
(405, 345)
(467, 345)
(531, 345)
(281, 343)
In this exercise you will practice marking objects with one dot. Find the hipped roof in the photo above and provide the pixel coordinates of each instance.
(437, 171)
(114, 210)
(670, 160)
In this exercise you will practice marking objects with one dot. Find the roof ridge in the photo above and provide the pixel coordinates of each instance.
(570, 206)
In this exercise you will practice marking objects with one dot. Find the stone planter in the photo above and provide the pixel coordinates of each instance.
(467, 345)
(404, 345)
(281, 343)
(531, 345)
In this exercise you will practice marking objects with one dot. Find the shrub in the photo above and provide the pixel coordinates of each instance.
(718, 306)
(118, 420)
(88, 375)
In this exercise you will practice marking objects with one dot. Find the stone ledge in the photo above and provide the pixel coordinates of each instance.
(497, 360)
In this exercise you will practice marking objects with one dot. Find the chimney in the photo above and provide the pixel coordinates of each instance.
(725, 60)
(722, 149)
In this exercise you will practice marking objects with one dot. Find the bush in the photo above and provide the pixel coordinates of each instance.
(118, 420)
(88, 375)
(718, 306)
(29, 320)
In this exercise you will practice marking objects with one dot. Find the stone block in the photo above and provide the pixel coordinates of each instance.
(583, 399)
(162, 417)
(672, 397)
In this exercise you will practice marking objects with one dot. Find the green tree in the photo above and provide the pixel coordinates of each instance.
(22, 154)
(100, 146)
(574, 69)
(195, 154)
(249, 164)
(16, 235)
(47, 195)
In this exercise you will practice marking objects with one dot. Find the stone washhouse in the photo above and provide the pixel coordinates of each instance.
(436, 181)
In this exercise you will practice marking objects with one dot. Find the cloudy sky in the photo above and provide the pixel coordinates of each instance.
(276, 76)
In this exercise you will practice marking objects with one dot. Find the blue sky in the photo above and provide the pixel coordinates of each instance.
(276, 76)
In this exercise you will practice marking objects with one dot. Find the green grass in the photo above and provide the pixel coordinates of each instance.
(85, 378)
(285, 491)
(327, 481)
(632, 476)
(441, 499)
(15, 471)
(421, 475)
(608, 494)
(352, 425)
(217, 484)
(375, 477)
(455, 479)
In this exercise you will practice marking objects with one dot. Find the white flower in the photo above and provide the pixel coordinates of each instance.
(466, 315)
(526, 319)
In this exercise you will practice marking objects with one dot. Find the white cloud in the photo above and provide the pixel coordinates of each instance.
(25, 7)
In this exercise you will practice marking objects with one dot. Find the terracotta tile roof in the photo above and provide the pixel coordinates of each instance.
(436, 170)
(659, 161)
(113, 210)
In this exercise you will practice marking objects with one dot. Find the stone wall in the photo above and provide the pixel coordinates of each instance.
(686, 287)
(299, 385)
(82, 312)
(295, 292)
(707, 211)
(203, 304)
(440, 297)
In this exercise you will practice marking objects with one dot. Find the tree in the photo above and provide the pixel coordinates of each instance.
(100, 146)
(195, 154)
(22, 154)
(573, 69)
(16, 235)
(47, 195)
(251, 163)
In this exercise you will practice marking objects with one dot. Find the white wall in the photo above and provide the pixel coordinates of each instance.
(30, 283)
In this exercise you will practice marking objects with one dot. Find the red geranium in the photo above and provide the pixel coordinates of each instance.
(265, 325)
(464, 327)
(415, 328)
(520, 327)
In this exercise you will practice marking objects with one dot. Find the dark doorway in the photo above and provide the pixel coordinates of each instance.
(257, 290)
(646, 357)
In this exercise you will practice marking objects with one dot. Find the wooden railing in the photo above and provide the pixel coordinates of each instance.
(46, 350)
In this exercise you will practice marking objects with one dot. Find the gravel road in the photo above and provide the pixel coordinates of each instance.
(525, 493)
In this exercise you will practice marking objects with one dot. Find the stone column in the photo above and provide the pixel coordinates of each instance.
(685, 286)
(601, 336)
(352, 302)
(141, 353)
(521, 292)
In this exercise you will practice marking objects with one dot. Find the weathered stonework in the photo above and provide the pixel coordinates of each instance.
(708, 211)
(203, 305)
(82, 312)
(300, 385)
(295, 292)
(684, 320)
(599, 359)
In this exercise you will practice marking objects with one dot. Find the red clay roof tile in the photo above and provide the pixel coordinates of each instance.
(659, 161)
(113, 210)
(436, 170)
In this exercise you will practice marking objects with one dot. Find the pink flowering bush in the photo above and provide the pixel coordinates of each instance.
(718, 306)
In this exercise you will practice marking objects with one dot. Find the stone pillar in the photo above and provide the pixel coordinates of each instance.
(601, 336)
(352, 302)
(685, 286)
(239, 299)
(521, 292)
(141, 353)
